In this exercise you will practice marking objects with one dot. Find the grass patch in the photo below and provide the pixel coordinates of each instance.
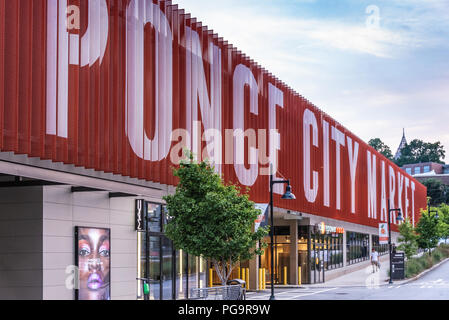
(415, 266)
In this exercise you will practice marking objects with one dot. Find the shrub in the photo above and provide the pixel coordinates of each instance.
(414, 266)
(437, 256)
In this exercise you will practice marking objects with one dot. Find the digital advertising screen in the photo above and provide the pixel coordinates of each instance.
(93, 259)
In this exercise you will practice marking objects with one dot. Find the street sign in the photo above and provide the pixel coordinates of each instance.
(398, 266)
(383, 233)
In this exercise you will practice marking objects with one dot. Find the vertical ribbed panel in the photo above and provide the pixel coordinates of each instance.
(63, 97)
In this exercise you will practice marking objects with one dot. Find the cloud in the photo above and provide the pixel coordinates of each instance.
(351, 35)
(374, 81)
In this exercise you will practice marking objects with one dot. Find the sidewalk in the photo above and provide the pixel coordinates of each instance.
(361, 278)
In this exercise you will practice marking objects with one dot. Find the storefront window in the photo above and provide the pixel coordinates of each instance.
(317, 253)
(159, 263)
(335, 251)
(181, 279)
(357, 246)
(167, 269)
(382, 249)
(193, 272)
(154, 217)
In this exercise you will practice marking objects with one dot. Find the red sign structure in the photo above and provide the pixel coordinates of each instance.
(123, 86)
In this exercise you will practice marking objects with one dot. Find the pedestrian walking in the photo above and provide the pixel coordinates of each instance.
(375, 260)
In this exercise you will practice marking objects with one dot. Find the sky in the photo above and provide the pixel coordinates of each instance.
(374, 66)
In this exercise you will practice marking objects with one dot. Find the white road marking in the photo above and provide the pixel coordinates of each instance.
(309, 294)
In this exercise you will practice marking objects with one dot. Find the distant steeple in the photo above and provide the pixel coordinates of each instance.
(401, 146)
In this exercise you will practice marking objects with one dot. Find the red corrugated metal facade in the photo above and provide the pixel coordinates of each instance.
(102, 92)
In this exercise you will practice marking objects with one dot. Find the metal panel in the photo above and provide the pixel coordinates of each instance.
(64, 98)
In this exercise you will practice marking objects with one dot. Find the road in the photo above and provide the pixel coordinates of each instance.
(432, 286)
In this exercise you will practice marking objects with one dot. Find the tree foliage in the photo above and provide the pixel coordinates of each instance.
(211, 219)
(419, 151)
(381, 147)
(437, 191)
(427, 230)
(408, 239)
(443, 221)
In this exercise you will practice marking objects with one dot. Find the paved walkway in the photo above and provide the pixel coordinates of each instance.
(361, 278)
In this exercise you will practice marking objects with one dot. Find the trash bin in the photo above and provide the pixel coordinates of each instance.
(242, 284)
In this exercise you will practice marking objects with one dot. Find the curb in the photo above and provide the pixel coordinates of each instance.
(424, 272)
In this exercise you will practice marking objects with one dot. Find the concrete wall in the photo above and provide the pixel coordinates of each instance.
(21, 243)
(62, 211)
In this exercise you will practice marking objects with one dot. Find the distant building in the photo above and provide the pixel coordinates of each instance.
(401, 146)
(428, 170)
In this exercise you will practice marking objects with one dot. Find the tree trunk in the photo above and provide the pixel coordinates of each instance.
(220, 268)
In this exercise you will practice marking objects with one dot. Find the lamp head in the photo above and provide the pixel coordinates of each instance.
(288, 195)
(399, 218)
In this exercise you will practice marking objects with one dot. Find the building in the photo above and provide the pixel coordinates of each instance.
(428, 170)
(93, 116)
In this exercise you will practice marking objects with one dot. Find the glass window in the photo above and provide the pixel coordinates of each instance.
(357, 247)
(382, 249)
(154, 217)
(408, 170)
(155, 268)
(181, 285)
(417, 170)
(426, 168)
(167, 269)
(192, 272)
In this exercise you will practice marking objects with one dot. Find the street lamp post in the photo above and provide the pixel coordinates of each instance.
(287, 196)
(399, 218)
(431, 211)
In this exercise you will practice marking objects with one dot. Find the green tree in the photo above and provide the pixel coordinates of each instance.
(427, 230)
(437, 191)
(381, 147)
(212, 220)
(419, 151)
(443, 222)
(407, 239)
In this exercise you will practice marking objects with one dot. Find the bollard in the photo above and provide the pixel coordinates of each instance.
(247, 278)
(285, 276)
(264, 285)
(299, 275)
(211, 279)
(260, 279)
(243, 274)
